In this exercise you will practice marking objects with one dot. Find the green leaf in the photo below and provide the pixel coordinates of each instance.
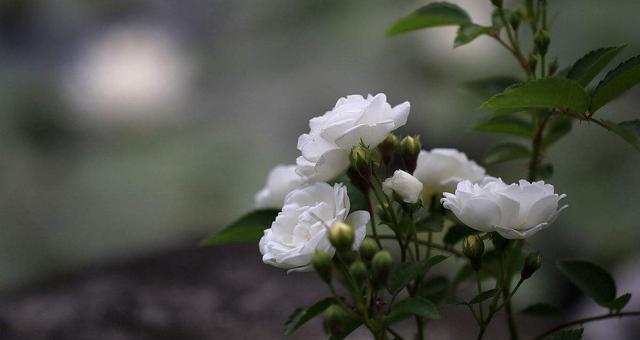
(349, 326)
(627, 130)
(246, 229)
(491, 262)
(511, 125)
(469, 32)
(432, 15)
(558, 128)
(506, 152)
(588, 67)
(543, 310)
(567, 334)
(435, 289)
(616, 82)
(591, 279)
(433, 222)
(487, 294)
(403, 273)
(413, 306)
(619, 303)
(456, 233)
(301, 316)
(541, 93)
(488, 87)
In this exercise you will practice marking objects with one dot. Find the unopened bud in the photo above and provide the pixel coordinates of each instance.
(553, 66)
(497, 3)
(341, 236)
(499, 243)
(473, 248)
(515, 18)
(381, 266)
(532, 263)
(358, 270)
(368, 249)
(388, 148)
(360, 158)
(410, 148)
(541, 41)
(322, 264)
(335, 319)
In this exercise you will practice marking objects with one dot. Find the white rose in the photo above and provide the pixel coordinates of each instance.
(403, 184)
(515, 211)
(325, 149)
(301, 227)
(440, 170)
(282, 179)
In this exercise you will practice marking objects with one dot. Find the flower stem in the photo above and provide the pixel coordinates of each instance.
(374, 228)
(586, 320)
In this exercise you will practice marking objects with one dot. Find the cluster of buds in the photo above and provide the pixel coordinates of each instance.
(366, 268)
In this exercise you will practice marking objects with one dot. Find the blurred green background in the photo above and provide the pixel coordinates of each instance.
(128, 127)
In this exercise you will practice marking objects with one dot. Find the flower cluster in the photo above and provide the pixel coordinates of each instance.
(357, 133)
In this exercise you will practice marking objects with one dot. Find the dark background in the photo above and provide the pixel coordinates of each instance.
(129, 130)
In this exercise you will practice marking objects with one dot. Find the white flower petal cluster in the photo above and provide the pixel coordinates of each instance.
(404, 185)
(281, 180)
(515, 211)
(325, 149)
(301, 227)
(440, 170)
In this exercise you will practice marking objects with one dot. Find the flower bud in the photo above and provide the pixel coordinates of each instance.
(335, 319)
(410, 148)
(499, 243)
(368, 249)
(497, 3)
(360, 158)
(388, 147)
(358, 270)
(341, 236)
(515, 18)
(541, 41)
(473, 248)
(553, 66)
(381, 266)
(322, 264)
(532, 263)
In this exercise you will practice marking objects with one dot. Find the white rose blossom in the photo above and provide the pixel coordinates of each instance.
(325, 149)
(281, 180)
(301, 227)
(404, 185)
(515, 211)
(440, 170)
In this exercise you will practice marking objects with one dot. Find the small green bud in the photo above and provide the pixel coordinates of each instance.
(542, 42)
(553, 66)
(341, 236)
(499, 243)
(360, 158)
(532, 263)
(368, 249)
(335, 319)
(381, 266)
(410, 148)
(515, 18)
(322, 264)
(497, 3)
(358, 270)
(388, 148)
(473, 248)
